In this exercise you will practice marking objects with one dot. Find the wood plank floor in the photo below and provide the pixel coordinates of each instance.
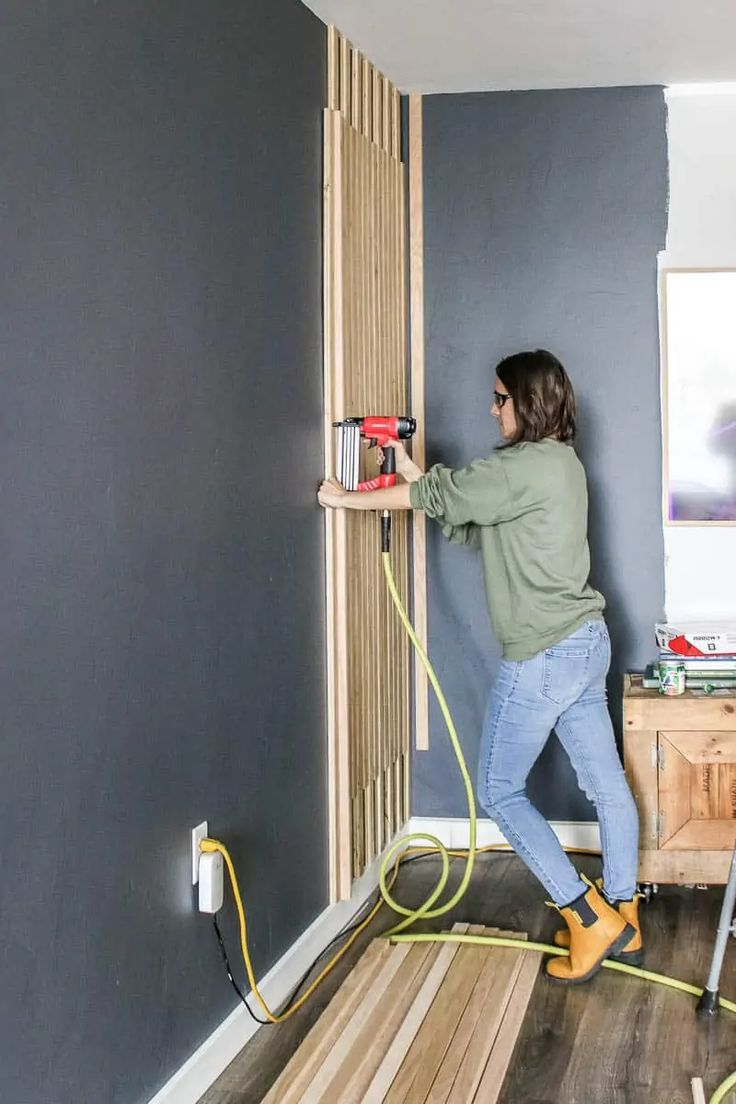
(616, 1040)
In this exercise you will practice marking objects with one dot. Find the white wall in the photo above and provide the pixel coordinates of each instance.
(700, 562)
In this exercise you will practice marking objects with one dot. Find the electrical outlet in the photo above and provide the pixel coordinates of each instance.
(198, 834)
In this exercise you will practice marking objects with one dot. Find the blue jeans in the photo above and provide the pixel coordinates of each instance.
(563, 688)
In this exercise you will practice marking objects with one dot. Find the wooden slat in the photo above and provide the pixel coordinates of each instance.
(684, 867)
(436, 1035)
(377, 1036)
(705, 747)
(703, 835)
(341, 1049)
(479, 1001)
(399, 325)
(378, 1089)
(405, 761)
(375, 107)
(416, 293)
(340, 581)
(377, 656)
(376, 600)
(344, 77)
(367, 126)
(356, 101)
(360, 393)
(336, 582)
(333, 69)
(345, 1063)
(319, 1042)
(506, 968)
(640, 762)
(491, 1083)
(647, 709)
(674, 790)
(350, 171)
(389, 368)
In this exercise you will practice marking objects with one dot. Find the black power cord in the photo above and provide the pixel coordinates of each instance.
(231, 979)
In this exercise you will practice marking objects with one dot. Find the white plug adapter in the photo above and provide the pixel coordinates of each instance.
(211, 890)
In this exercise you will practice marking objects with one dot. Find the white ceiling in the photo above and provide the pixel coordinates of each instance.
(473, 45)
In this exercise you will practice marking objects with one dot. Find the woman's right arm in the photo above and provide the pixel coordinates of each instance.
(467, 534)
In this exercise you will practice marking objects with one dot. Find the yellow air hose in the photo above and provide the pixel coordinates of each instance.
(389, 872)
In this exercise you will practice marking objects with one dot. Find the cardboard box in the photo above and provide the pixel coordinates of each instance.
(697, 638)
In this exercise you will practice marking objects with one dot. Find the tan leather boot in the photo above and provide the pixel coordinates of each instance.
(633, 952)
(596, 931)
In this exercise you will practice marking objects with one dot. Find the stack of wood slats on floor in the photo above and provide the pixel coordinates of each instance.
(422, 1023)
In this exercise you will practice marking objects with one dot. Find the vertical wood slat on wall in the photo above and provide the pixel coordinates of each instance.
(416, 283)
(336, 528)
(365, 373)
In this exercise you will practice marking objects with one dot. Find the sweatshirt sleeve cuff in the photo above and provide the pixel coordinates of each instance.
(415, 494)
(426, 493)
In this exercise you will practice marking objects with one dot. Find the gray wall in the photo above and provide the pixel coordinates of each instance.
(161, 576)
(544, 212)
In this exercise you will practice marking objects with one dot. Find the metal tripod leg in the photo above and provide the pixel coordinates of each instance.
(708, 1003)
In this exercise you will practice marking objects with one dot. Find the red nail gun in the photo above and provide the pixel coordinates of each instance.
(376, 431)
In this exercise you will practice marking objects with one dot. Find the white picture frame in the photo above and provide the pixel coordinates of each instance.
(699, 396)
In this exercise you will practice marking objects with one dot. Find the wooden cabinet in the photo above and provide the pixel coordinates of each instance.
(680, 759)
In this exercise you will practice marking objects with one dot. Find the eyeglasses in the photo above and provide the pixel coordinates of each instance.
(500, 400)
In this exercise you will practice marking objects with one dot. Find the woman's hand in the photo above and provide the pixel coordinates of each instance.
(403, 463)
(405, 466)
(332, 494)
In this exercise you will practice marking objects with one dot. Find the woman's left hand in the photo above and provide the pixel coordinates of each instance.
(332, 493)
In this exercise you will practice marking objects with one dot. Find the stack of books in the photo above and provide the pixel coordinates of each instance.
(711, 673)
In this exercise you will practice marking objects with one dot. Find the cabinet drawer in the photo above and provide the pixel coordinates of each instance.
(697, 790)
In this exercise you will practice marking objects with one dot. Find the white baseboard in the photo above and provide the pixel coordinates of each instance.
(216, 1053)
(455, 832)
(199, 1072)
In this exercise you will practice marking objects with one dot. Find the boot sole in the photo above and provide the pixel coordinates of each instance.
(628, 958)
(615, 948)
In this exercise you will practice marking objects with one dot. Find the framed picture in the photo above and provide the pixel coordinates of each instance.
(699, 396)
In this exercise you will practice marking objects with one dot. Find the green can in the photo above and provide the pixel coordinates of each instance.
(671, 677)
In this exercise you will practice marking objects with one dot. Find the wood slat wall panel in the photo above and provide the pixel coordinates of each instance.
(365, 340)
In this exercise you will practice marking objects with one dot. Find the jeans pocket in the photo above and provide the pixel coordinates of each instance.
(565, 674)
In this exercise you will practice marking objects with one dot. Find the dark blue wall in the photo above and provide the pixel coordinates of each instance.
(162, 570)
(544, 213)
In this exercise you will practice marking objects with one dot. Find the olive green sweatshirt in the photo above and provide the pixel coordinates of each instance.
(526, 509)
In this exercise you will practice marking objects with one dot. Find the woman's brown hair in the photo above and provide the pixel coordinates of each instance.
(544, 401)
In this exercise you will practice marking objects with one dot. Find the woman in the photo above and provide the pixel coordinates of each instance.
(525, 508)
